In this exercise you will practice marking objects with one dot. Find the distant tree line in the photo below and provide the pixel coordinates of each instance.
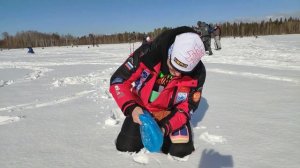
(38, 39)
(240, 29)
(276, 27)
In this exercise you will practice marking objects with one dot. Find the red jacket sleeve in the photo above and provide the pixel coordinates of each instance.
(121, 82)
(121, 90)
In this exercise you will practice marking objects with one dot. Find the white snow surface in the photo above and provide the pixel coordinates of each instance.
(56, 110)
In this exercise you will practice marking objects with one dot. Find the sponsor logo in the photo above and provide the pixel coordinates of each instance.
(180, 63)
(145, 74)
(194, 55)
(141, 80)
(117, 88)
(118, 93)
(180, 97)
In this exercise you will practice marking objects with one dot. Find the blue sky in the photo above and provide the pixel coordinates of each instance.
(81, 17)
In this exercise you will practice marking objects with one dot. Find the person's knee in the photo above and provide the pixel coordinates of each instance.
(181, 150)
(129, 138)
(125, 143)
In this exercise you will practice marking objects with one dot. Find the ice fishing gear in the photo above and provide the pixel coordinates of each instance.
(151, 134)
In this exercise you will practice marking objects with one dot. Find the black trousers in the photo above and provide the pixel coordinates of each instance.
(129, 140)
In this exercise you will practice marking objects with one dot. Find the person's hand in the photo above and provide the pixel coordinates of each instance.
(136, 113)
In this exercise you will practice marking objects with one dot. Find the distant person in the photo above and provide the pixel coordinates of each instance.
(165, 78)
(30, 50)
(204, 30)
(217, 37)
(146, 40)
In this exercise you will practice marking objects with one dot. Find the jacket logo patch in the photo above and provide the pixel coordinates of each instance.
(129, 65)
(118, 92)
(180, 97)
(143, 77)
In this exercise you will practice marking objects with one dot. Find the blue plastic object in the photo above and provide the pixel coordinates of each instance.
(152, 136)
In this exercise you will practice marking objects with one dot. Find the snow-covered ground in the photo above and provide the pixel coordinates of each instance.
(55, 109)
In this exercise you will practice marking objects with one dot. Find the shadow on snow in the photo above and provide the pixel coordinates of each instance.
(213, 159)
(198, 115)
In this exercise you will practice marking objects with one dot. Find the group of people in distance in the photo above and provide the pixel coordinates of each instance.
(207, 31)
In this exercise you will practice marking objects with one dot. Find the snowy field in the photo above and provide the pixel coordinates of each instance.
(56, 111)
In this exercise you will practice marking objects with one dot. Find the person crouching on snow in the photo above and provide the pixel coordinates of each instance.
(165, 78)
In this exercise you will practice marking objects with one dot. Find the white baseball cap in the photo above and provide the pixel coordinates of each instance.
(186, 51)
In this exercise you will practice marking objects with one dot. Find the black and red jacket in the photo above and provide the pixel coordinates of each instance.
(132, 83)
